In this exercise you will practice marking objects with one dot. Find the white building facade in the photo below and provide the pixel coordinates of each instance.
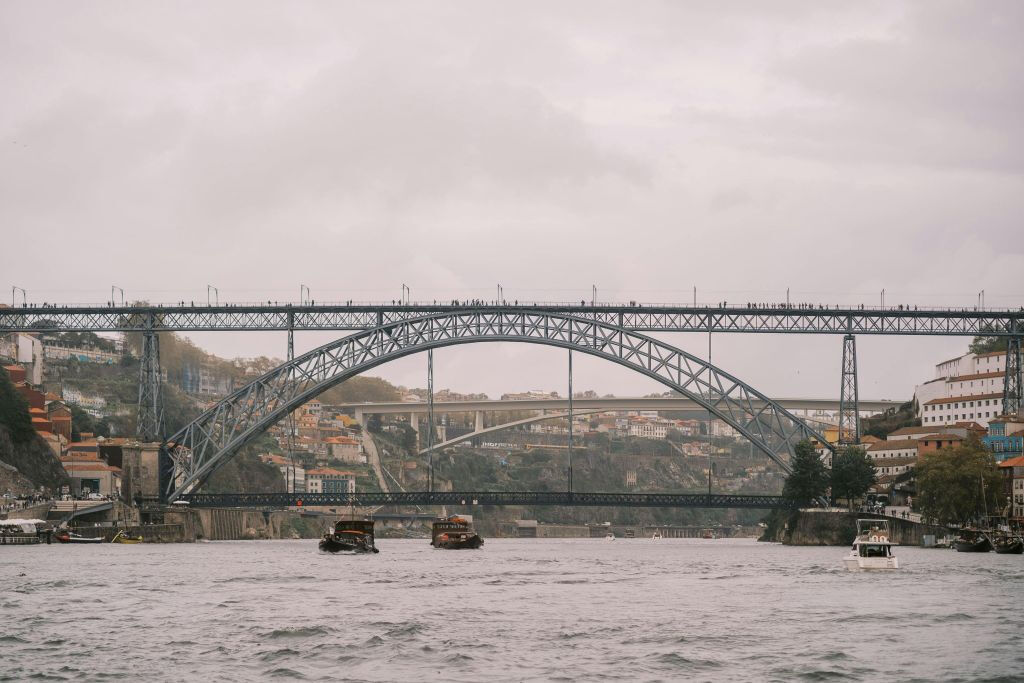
(968, 388)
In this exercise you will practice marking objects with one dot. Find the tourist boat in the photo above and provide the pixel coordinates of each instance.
(20, 531)
(972, 541)
(350, 535)
(656, 536)
(65, 536)
(708, 534)
(872, 548)
(1008, 544)
(455, 533)
(609, 536)
(122, 537)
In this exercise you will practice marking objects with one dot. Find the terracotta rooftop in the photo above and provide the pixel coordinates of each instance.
(980, 375)
(961, 399)
(894, 445)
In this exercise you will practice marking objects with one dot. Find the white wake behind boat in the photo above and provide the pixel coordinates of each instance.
(872, 549)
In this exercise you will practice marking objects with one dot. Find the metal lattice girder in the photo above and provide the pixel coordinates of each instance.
(564, 498)
(150, 422)
(948, 322)
(849, 410)
(1012, 387)
(218, 433)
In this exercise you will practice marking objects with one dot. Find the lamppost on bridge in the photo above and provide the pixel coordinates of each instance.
(883, 298)
(406, 294)
(308, 294)
(216, 295)
(24, 301)
(501, 295)
(112, 288)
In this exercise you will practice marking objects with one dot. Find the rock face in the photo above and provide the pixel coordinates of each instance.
(814, 528)
(819, 527)
(33, 460)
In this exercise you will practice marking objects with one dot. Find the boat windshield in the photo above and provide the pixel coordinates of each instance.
(869, 550)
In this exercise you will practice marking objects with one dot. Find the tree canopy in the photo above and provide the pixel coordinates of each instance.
(852, 474)
(987, 344)
(950, 483)
(14, 410)
(809, 479)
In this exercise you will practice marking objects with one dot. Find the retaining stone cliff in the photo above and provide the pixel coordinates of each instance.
(834, 527)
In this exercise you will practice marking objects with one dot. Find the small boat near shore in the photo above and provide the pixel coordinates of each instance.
(1006, 543)
(656, 536)
(455, 533)
(65, 536)
(350, 536)
(122, 537)
(872, 547)
(972, 541)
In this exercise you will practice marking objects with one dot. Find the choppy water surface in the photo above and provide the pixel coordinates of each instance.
(517, 610)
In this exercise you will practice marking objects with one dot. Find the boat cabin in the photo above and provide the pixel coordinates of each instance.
(358, 526)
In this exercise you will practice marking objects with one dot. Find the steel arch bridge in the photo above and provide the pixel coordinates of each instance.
(195, 452)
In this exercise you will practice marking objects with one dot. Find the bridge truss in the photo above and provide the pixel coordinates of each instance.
(453, 498)
(191, 455)
(654, 318)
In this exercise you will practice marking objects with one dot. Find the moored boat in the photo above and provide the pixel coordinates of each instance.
(65, 536)
(972, 541)
(122, 537)
(455, 533)
(609, 536)
(351, 536)
(872, 547)
(656, 536)
(1008, 544)
(21, 531)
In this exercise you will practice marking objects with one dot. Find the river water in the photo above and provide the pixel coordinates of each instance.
(517, 610)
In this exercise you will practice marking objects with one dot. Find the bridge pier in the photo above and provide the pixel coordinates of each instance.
(478, 421)
(849, 411)
(150, 419)
(1012, 381)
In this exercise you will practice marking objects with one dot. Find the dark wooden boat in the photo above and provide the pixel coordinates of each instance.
(972, 541)
(1009, 545)
(455, 533)
(350, 536)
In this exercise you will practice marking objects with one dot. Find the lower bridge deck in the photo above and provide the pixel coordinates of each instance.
(555, 498)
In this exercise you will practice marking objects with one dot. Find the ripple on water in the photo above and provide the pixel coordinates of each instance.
(297, 632)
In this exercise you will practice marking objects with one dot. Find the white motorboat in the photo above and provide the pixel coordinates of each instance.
(872, 548)
(656, 536)
(609, 536)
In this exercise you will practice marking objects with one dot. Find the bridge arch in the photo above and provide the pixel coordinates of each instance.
(190, 456)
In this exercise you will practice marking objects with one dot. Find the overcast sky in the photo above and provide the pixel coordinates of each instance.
(835, 149)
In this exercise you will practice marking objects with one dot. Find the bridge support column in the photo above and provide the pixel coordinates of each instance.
(849, 412)
(1012, 387)
(150, 422)
(478, 421)
(361, 418)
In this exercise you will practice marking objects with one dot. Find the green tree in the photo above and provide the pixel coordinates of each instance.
(82, 421)
(950, 484)
(14, 410)
(987, 344)
(852, 474)
(809, 479)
